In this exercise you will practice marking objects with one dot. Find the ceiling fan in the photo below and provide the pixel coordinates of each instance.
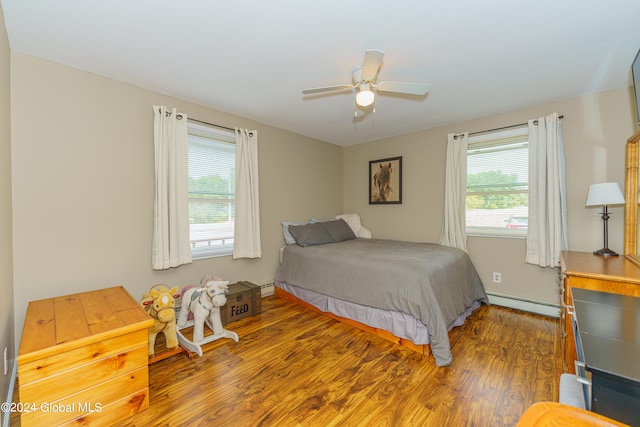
(364, 81)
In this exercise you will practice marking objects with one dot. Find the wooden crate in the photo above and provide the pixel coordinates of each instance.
(243, 300)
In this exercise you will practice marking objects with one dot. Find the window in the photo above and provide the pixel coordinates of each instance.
(498, 183)
(212, 201)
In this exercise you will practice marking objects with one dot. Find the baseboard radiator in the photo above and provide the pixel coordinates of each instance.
(538, 307)
(266, 289)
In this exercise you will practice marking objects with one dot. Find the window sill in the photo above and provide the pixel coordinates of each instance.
(497, 233)
(211, 253)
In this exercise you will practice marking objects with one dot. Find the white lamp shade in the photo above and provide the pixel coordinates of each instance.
(365, 96)
(607, 193)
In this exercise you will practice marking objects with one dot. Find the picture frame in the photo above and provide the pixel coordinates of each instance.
(385, 181)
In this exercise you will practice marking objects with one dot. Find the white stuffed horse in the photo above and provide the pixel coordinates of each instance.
(205, 305)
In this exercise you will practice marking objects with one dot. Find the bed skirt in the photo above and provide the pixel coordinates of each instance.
(395, 326)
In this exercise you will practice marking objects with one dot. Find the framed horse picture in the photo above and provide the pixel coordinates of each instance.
(385, 181)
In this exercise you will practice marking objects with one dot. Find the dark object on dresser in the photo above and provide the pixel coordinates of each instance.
(608, 343)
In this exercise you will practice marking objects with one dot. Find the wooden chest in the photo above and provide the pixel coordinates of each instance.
(83, 357)
(243, 300)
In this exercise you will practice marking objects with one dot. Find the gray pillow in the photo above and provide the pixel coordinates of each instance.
(339, 230)
(288, 238)
(310, 234)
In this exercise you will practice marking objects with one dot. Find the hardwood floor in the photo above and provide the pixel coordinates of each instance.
(293, 367)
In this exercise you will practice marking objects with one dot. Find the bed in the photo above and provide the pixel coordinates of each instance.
(414, 291)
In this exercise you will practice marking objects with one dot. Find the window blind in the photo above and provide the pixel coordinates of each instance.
(211, 191)
(497, 184)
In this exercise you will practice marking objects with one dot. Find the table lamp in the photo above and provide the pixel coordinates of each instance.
(605, 194)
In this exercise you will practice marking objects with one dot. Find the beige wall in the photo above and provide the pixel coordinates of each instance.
(83, 185)
(595, 130)
(82, 172)
(6, 270)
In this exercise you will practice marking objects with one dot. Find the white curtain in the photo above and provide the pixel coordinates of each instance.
(547, 231)
(246, 239)
(171, 246)
(454, 227)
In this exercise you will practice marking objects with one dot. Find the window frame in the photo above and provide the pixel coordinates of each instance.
(217, 136)
(497, 138)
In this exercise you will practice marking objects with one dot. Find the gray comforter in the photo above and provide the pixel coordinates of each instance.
(433, 283)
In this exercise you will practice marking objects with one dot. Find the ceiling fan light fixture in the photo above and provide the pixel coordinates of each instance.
(365, 95)
(364, 79)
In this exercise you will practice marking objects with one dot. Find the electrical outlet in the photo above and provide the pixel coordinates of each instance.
(497, 277)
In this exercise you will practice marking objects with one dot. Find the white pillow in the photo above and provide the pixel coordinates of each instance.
(354, 222)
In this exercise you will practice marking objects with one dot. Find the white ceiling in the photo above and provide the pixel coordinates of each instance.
(253, 58)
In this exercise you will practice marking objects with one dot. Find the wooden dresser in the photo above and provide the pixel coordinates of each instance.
(83, 357)
(585, 270)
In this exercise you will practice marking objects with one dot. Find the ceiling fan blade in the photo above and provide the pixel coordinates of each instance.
(371, 64)
(408, 88)
(326, 89)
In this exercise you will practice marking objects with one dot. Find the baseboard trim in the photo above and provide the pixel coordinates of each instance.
(537, 307)
(12, 382)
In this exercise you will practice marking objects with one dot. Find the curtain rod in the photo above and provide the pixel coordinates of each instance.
(179, 117)
(215, 125)
(211, 124)
(535, 122)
